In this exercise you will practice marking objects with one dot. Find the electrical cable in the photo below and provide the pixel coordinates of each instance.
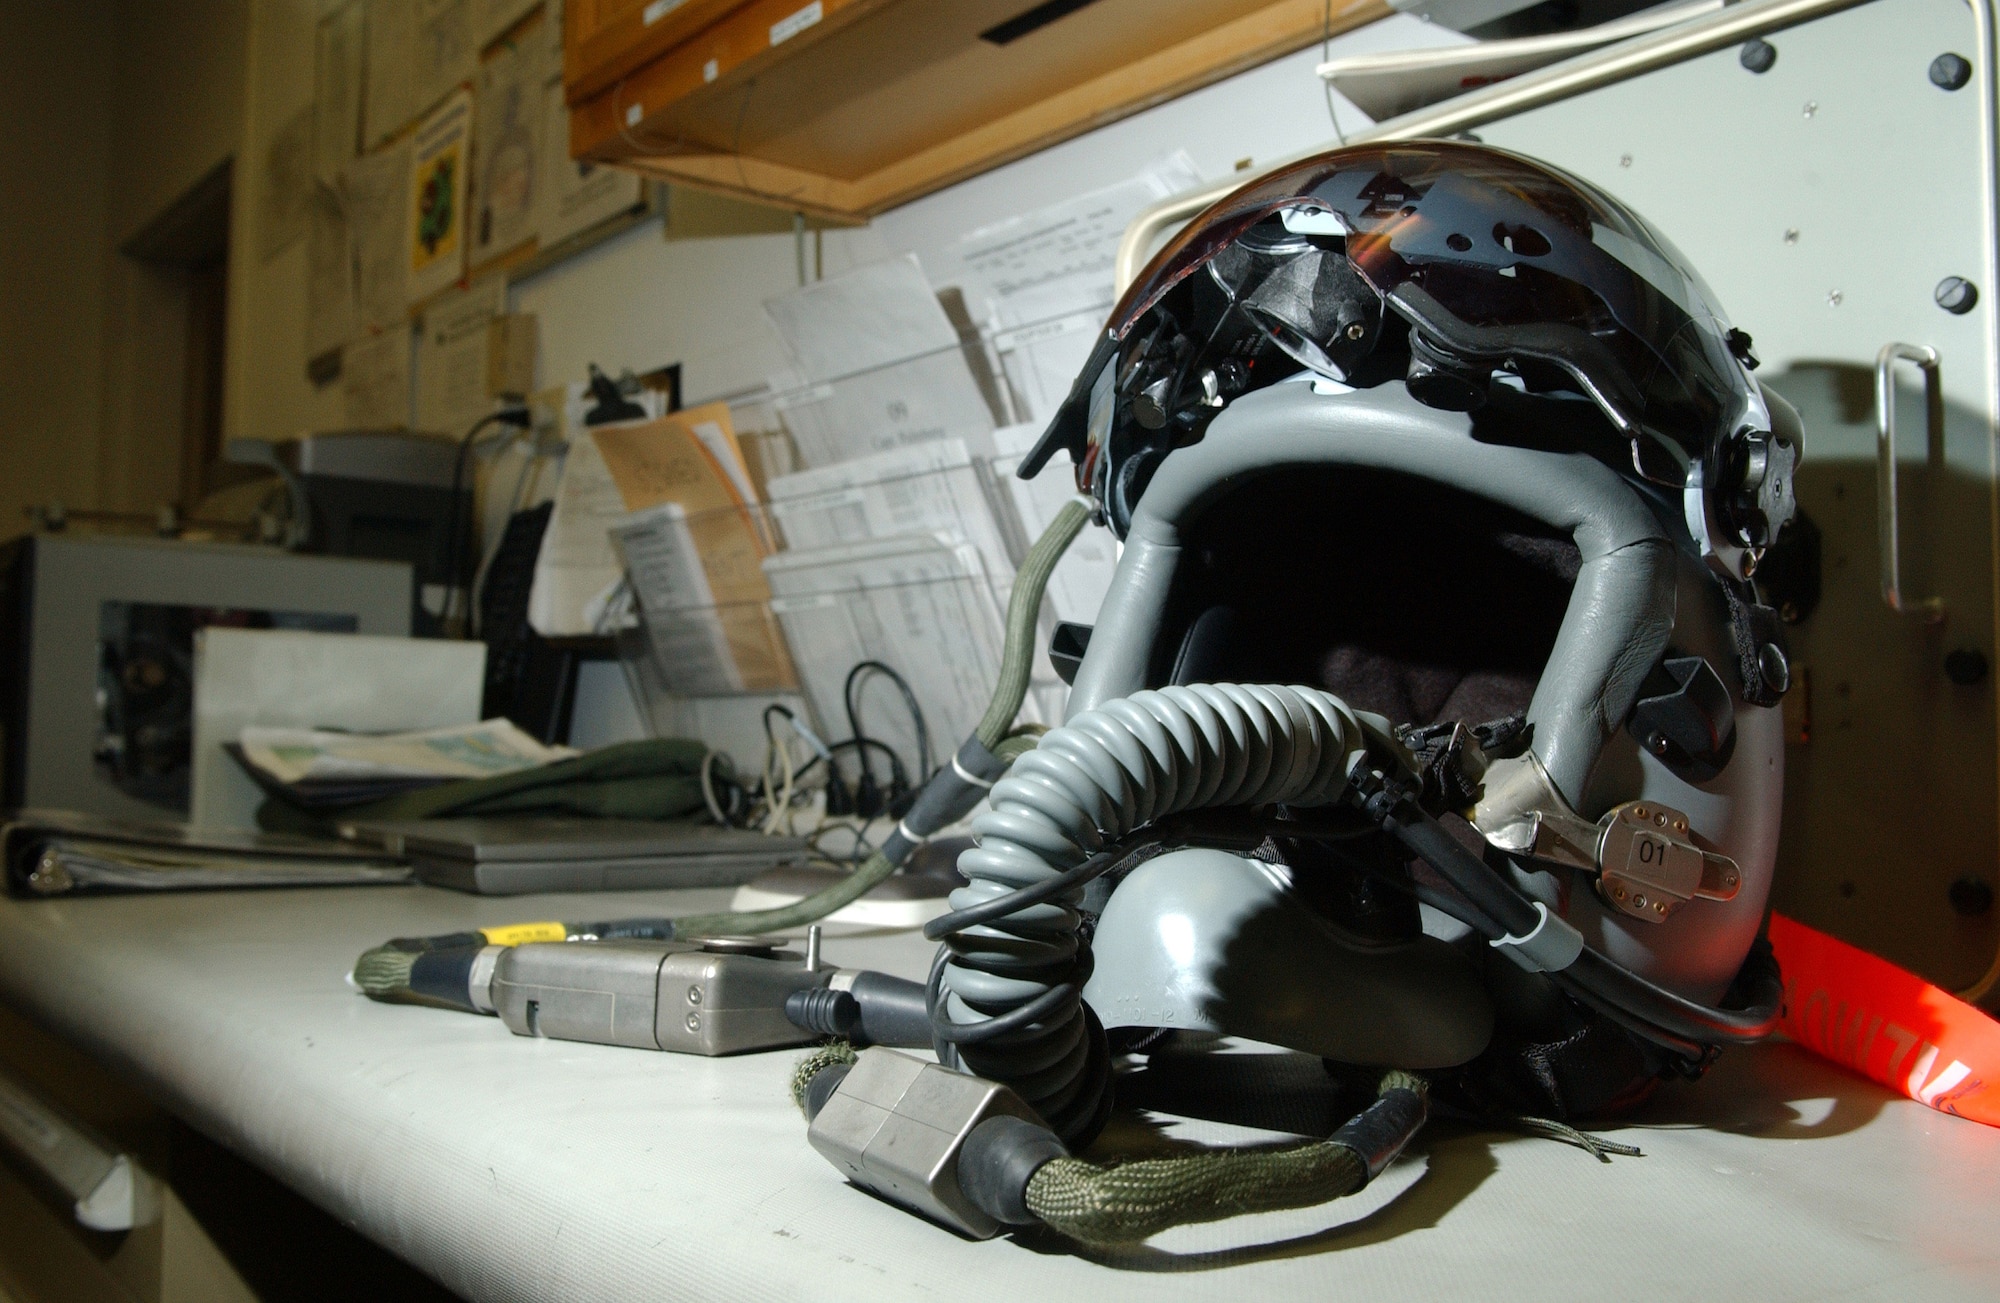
(517, 416)
(1642, 1006)
(383, 972)
(708, 787)
(847, 692)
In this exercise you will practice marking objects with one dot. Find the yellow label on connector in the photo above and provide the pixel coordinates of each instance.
(520, 934)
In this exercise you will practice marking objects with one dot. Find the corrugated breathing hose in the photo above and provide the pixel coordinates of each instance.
(1006, 995)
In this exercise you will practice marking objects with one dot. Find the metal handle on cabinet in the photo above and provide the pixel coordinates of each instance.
(1926, 358)
(112, 1192)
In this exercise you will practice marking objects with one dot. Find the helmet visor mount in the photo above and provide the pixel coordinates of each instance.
(1486, 267)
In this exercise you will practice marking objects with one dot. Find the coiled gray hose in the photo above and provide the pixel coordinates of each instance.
(1009, 997)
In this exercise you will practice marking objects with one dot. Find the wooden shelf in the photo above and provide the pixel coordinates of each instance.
(603, 40)
(874, 103)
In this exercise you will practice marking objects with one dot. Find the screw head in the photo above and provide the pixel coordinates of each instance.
(1791, 235)
(1773, 667)
(1638, 900)
(1833, 298)
(1971, 896)
(1956, 295)
(1812, 107)
(1757, 56)
(1950, 71)
(1356, 330)
(1624, 160)
(694, 995)
(694, 1022)
(1966, 666)
(1657, 744)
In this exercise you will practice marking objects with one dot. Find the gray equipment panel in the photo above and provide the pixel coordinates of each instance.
(70, 579)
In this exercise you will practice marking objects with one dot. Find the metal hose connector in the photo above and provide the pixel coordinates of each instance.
(1007, 994)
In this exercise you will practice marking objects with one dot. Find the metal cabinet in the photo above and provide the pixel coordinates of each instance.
(1827, 200)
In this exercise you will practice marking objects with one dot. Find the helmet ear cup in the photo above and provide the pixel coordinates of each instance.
(1436, 379)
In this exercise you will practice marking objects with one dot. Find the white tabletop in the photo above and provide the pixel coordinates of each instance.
(511, 1168)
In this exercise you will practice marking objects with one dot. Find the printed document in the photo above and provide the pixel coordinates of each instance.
(451, 357)
(879, 365)
(932, 488)
(917, 604)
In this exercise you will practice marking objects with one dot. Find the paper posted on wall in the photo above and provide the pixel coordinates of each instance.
(576, 194)
(447, 51)
(452, 356)
(330, 317)
(338, 45)
(917, 604)
(375, 190)
(375, 380)
(508, 146)
(492, 18)
(436, 215)
(285, 185)
(391, 99)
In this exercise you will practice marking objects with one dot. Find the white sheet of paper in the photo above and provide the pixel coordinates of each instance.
(932, 396)
(391, 99)
(447, 51)
(577, 562)
(860, 320)
(329, 273)
(451, 357)
(690, 646)
(375, 380)
(339, 46)
(1041, 361)
(507, 151)
(576, 195)
(375, 190)
(439, 155)
(1077, 587)
(918, 605)
(932, 488)
(1057, 261)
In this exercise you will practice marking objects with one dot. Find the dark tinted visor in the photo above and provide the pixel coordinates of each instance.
(1499, 258)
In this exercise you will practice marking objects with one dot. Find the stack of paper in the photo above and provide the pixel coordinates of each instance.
(321, 769)
(932, 488)
(693, 547)
(1044, 279)
(59, 852)
(918, 604)
(879, 365)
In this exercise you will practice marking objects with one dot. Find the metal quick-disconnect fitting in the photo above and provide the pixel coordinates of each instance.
(898, 1126)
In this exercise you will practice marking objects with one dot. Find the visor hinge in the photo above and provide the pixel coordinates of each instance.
(1645, 858)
